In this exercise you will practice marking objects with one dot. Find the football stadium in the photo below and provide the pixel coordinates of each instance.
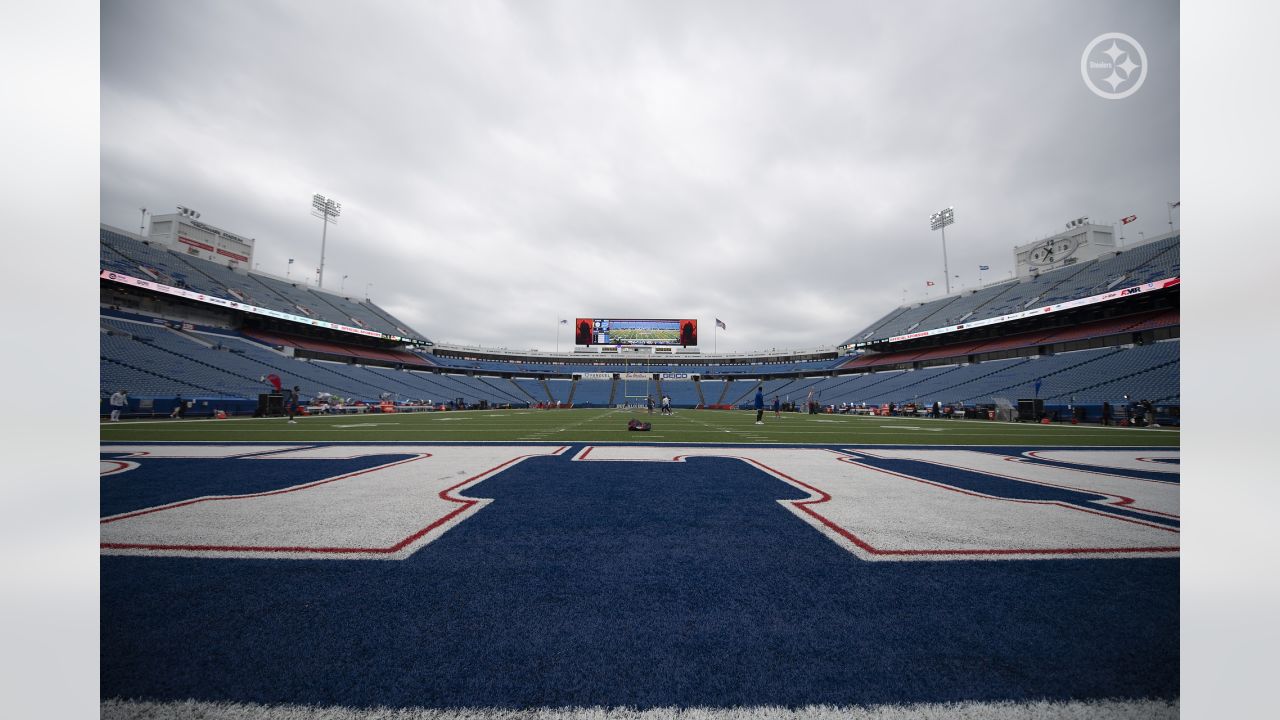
(315, 503)
(435, 526)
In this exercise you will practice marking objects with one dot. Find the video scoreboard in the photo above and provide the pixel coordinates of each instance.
(631, 331)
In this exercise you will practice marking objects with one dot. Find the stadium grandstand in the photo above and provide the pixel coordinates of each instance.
(1103, 328)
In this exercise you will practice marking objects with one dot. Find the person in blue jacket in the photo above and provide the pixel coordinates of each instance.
(759, 405)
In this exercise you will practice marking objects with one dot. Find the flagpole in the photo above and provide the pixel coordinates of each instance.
(946, 269)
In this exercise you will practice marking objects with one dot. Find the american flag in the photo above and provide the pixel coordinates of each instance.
(928, 283)
(1127, 220)
(720, 324)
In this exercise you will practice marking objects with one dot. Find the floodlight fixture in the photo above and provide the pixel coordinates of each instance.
(939, 221)
(328, 210)
(942, 218)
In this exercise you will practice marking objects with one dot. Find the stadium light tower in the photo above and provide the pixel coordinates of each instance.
(939, 221)
(328, 210)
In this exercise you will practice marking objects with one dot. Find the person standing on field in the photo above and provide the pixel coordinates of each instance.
(291, 404)
(119, 401)
(759, 403)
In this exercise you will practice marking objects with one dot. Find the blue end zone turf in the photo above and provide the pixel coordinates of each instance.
(618, 584)
(163, 481)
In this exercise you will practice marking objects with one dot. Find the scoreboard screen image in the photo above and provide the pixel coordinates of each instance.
(613, 331)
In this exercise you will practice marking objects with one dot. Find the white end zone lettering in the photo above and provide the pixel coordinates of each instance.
(115, 467)
(1153, 497)
(880, 515)
(1146, 460)
(384, 512)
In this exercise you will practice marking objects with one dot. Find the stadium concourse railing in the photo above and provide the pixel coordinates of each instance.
(1137, 264)
(136, 257)
(400, 357)
(1147, 321)
(533, 366)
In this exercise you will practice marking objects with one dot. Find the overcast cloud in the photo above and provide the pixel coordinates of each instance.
(502, 165)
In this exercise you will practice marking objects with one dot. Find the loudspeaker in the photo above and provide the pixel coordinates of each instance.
(1030, 410)
(270, 405)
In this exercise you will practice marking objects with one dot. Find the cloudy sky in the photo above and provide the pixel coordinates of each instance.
(502, 165)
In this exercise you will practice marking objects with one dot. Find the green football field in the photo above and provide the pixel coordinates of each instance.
(610, 425)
